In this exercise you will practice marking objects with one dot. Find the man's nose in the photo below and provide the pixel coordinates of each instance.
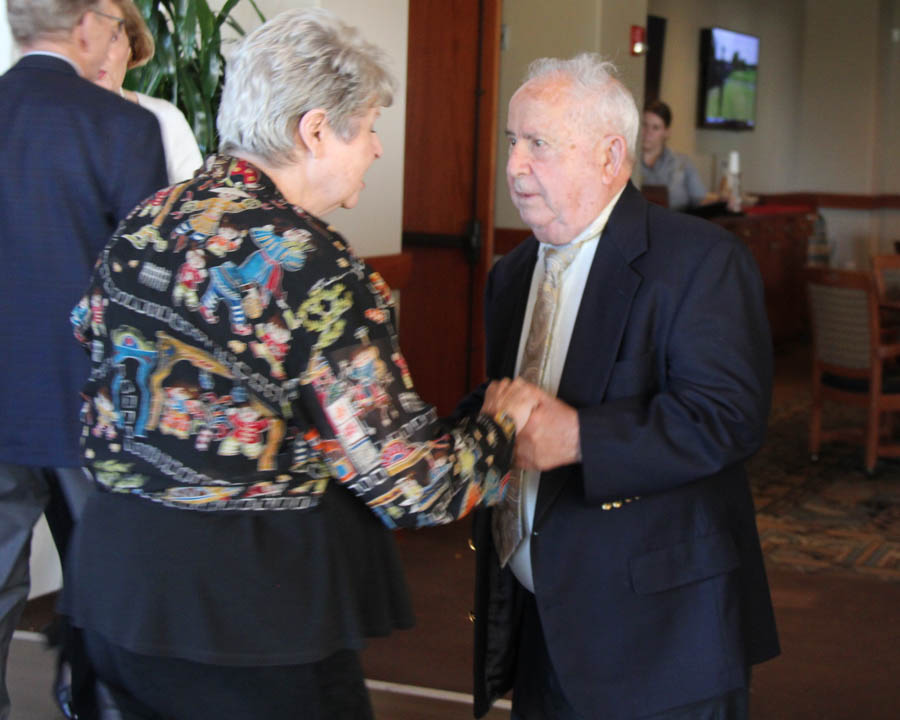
(517, 163)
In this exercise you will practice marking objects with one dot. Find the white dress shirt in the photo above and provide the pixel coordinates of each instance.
(571, 289)
(182, 154)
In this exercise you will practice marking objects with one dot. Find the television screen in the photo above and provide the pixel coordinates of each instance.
(727, 94)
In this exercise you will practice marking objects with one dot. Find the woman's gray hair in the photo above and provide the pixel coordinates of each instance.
(614, 106)
(30, 20)
(298, 61)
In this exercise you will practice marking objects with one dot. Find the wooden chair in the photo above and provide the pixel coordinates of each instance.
(886, 271)
(849, 355)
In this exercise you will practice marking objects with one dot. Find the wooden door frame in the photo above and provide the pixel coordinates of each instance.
(485, 173)
(450, 240)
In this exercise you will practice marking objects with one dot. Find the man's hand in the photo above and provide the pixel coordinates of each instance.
(516, 398)
(550, 438)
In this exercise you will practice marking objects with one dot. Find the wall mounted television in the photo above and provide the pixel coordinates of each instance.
(726, 99)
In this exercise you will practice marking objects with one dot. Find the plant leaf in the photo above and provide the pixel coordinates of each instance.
(188, 67)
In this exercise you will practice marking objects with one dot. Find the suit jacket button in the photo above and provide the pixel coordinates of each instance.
(534, 533)
(471, 544)
(617, 504)
(606, 506)
(471, 616)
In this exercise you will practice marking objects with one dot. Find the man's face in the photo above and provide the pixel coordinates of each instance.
(553, 170)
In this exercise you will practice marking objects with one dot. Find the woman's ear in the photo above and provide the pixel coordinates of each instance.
(312, 130)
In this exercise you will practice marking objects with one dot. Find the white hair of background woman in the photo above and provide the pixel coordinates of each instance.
(30, 20)
(298, 61)
(616, 109)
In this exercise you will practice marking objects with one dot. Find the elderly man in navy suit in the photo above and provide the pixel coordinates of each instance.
(625, 578)
(77, 159)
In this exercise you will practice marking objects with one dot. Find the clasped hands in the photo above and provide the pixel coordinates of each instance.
(547, 432)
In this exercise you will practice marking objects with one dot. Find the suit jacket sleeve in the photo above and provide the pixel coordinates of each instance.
(693, 398)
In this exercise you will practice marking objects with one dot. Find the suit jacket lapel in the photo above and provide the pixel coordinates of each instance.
(601, 321)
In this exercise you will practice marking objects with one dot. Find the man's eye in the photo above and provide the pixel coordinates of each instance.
(511, 141)
(538, 143)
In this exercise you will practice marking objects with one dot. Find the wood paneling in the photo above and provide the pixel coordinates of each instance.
(505, 239)
(453, 66)
(395, 269)
(779, 243)
(434, 321)
(486, 173)
(833, 200)
(440, 115)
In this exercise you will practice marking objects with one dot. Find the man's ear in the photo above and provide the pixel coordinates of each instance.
(312, 128)
(613, 155)
(80, 35)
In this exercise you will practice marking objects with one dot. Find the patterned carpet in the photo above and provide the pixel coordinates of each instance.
(828, 515)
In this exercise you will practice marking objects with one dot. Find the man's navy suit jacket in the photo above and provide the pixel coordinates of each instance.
(77, 159)
(649, 577)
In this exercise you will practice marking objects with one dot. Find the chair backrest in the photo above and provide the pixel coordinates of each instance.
(843, 311)
(886, 270)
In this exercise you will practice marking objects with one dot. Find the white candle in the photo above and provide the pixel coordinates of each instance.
(734, 162)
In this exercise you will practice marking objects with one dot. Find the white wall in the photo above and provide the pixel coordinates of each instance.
(767, 152)
(828, 104)
(375, 226)
(46, 572)
(888, 92)
(7, 49)
(839, 99)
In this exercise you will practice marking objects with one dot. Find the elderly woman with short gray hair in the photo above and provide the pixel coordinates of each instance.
(250, 417)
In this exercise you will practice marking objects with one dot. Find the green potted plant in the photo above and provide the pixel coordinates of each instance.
(188, 68)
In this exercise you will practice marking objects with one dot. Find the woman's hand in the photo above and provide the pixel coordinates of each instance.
(516, 398)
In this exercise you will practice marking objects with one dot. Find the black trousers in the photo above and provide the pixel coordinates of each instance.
(144, 687)
(538, 695)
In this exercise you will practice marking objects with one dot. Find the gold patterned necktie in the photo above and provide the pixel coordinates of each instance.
(508, 517)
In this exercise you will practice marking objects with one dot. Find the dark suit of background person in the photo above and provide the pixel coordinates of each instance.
(77, 158)
(648, 574)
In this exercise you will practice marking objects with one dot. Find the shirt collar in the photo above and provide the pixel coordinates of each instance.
(597, 225)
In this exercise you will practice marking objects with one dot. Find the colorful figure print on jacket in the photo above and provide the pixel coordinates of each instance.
(243, 358)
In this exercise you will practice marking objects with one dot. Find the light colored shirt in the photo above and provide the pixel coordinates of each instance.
(572, 285)
(679, 175)
(183, 156)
